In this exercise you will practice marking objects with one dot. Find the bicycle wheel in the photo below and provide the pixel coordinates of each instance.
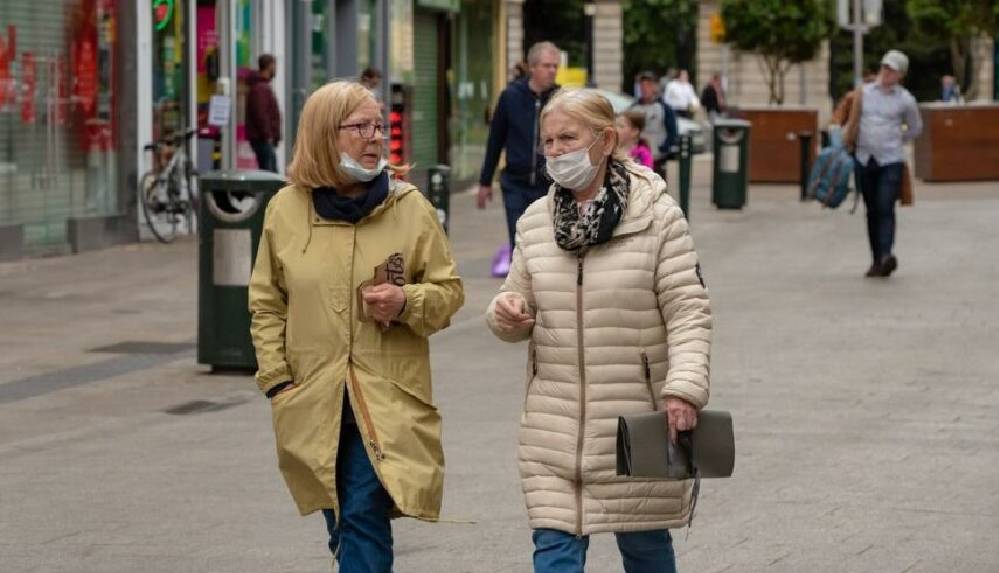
(160, 217)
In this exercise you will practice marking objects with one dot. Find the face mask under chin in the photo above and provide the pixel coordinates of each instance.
(358, 172)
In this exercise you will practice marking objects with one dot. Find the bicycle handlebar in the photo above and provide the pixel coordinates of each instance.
(173, 140)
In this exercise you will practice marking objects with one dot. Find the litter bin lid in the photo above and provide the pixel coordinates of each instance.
(241, 180)
(732, 123)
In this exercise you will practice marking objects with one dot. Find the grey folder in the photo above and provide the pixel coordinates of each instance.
(644, 449)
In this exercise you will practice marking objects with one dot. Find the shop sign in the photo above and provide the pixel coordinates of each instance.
(7, 58)
(162, 13)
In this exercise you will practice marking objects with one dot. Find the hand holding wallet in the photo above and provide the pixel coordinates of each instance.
(392, 272)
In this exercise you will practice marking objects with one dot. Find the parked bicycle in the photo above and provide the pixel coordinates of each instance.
(168, 192)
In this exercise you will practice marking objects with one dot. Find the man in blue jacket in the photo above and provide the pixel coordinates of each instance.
(515, 128)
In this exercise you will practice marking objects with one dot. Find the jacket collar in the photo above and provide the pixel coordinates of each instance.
(638, 215)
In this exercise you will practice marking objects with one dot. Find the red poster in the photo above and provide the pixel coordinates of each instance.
(86, 76)
(7, 58)
(29, 80)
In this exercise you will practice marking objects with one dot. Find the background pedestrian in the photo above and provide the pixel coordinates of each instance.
(514, 130)
(629, 127)
(263, 117)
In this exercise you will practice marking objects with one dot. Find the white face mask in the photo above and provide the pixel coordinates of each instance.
(573, 170)
(358, 172)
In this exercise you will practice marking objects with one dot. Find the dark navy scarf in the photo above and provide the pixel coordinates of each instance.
(331, 205)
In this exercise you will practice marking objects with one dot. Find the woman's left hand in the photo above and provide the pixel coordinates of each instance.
(681, 416)
(385, 302)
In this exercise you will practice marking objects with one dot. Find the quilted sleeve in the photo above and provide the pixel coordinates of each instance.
(686, 311)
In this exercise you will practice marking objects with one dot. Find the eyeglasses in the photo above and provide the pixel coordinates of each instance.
(365, 130)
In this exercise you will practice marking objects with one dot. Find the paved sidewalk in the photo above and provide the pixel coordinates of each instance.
(867, 411)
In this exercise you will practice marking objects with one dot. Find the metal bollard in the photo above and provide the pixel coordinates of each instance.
(439, 193)
(685, 165)
(805, 138)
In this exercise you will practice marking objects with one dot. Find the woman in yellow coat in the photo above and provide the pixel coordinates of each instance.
(352, 275)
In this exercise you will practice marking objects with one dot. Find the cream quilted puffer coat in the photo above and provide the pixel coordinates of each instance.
(618, 330)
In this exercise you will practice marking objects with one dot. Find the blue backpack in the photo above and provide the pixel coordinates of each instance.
(829, 181)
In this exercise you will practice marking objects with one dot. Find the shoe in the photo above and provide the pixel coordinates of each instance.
(888, 265)
(874, 271)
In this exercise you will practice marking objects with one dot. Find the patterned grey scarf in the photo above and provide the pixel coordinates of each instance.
(595, 225)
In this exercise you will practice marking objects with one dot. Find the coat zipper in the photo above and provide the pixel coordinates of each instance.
(365, 415)
(355, 388)
(534, 150)
(647, 373)
(582, 393)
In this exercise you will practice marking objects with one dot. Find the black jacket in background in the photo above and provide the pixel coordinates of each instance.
(515, 127)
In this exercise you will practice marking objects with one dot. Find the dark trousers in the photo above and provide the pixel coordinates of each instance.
(880, 186)
(362, 539)
(266, 158)
(517, 197)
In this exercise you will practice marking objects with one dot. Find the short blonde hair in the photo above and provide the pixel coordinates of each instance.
(588, 107)
(316, 159)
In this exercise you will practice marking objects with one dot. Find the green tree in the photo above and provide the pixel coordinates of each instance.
(782, 32)
(956, 23)
(658, 35)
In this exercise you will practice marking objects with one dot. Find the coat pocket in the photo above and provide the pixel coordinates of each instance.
(532, 368)
(647, 377)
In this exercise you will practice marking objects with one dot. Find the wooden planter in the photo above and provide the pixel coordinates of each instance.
(958, 143)
(775, 151)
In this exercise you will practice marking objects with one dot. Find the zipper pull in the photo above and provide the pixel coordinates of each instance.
(579, 266)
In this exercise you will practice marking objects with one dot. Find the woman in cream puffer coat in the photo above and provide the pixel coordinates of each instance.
(606, 286)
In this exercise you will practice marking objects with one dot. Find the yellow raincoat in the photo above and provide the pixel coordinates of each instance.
(306, 328)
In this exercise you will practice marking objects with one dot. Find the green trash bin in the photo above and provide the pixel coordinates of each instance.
(731, 163)
(229, 225)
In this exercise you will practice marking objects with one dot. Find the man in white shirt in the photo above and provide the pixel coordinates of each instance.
(681, 96)
(880, 155)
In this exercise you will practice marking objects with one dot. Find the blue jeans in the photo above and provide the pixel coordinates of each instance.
(642, 551)
(266, 157)
(364, 534)
(880, 186)
(517, 197)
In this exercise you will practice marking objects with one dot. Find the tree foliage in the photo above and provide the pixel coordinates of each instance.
(782, 32)
(956, 23)
(658, 35)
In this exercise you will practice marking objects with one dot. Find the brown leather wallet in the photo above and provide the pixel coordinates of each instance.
(392, 271)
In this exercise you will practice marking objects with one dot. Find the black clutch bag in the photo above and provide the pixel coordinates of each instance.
(644, 448)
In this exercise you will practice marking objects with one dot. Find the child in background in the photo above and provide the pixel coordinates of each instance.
(629, 126)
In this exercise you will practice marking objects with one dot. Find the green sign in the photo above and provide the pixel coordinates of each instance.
(449, 5)
(162, 13)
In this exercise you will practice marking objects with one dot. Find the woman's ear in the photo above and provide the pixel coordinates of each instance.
(610, 140)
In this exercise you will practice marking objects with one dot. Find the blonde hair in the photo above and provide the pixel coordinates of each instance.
(316, 160)
(588, 107)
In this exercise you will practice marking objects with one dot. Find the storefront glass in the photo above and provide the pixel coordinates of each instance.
(472, 89)
(170, 89)
(57, 109)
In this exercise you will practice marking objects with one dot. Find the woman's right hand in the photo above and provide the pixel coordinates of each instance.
(511, 312)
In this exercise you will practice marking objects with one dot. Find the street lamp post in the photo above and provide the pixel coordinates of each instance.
(859, 16)
(589, 11)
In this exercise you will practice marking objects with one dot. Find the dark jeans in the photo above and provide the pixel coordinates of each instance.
(266, 158)
(880, 186)
(364, 534)
(518, 195)
(642, 551)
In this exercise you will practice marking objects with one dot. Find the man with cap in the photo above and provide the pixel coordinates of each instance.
(660, 129)
(884, 118)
